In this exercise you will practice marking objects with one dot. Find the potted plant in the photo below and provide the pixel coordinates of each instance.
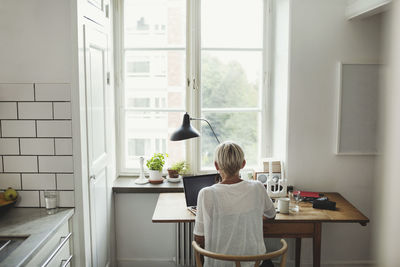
(185, 171)
(176, 169)
(155, 165)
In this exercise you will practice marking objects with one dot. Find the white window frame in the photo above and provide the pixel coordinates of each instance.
(193, 78)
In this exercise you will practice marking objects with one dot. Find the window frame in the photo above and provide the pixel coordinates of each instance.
(193, 82)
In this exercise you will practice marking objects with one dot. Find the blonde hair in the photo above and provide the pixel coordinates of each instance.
(229, 157)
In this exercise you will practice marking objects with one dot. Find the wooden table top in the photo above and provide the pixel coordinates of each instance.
(171, 207)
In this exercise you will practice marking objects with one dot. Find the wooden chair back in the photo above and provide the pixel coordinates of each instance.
(237, 259)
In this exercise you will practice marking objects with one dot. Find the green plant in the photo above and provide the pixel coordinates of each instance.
(178, 166)
(182, 167)
(156, 162)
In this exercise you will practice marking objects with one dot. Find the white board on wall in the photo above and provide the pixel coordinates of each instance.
(358, 109)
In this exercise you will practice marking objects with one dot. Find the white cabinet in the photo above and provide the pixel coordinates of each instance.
(56, 252)
(97, 11)
(365, 8)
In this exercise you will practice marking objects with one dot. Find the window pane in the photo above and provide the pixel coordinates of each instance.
(149, 132)
(155, 23)
(241, 128)
(230, 79)
(164, 81)
(227, 23)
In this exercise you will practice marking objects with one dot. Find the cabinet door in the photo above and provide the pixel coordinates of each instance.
(98, 139)
(98, 11)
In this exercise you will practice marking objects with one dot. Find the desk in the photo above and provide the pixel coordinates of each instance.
(171, 208)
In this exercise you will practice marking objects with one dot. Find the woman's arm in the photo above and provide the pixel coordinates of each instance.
(199, 240)
(266, 218)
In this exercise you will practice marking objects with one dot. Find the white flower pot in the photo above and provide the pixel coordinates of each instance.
(155, 175)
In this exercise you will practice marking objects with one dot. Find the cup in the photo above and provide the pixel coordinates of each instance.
(293, 206)
(51, 201)
(283, 205)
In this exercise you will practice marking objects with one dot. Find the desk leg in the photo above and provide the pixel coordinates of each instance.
(317, 245)
(298, 251)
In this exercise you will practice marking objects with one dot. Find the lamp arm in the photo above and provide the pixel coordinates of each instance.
(200, 119)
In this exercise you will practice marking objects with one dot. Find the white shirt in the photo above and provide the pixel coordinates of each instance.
(229, 216)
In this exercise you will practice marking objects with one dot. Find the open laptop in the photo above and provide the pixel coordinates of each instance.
(192, 186)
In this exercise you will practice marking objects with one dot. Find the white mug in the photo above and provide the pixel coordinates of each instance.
(283, 205)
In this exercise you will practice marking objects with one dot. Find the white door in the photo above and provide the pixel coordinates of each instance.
(98, 140)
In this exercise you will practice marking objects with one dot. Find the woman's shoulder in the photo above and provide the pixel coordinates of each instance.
(254, 183)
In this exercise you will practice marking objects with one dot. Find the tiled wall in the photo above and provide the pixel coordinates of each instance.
(36, 142)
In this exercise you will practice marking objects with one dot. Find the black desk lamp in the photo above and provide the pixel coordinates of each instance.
(186, 131)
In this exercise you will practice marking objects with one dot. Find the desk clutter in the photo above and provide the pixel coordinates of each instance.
(273, 178)
(318, 200)
(275, 182)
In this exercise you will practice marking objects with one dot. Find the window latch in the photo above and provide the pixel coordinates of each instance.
(107, 11)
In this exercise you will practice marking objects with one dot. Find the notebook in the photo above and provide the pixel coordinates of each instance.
(192, 186)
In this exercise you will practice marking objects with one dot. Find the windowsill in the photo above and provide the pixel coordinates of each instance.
(126, 184)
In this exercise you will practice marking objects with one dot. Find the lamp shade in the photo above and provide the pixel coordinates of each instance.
(186, 131)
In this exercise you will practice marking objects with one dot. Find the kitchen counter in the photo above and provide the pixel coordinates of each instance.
(32, 222)
(127, 185)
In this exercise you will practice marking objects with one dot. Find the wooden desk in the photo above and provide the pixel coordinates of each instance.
(171, 208)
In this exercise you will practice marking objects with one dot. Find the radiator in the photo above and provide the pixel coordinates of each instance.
(184, 250)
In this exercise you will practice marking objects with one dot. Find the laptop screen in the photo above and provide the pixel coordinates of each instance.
(193, 184)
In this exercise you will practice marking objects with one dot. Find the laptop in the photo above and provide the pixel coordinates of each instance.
(192, 186)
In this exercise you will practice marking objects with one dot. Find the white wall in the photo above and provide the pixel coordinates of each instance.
(320, 37)
(140, 242)
(35, 41)
(388, 230)
(35, 100)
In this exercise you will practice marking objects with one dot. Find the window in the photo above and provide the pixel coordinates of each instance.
(186, 56)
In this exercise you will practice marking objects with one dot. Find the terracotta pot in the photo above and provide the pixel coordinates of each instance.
(173, 173)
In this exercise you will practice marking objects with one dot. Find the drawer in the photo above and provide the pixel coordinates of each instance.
(62, 258)
(57, 247)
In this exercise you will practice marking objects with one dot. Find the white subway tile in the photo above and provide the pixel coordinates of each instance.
(9, 146)
(28, 199)
(10, 180)
(54, 128)
(65, 181)
(18, 128)
(39, 181)
(16, 92)
(37, 146)
(20, 164)
(55, 164)
(35, 110)
(53, 92)
(62, 110)
(8, 110)
(63, 146)
(42, 201)
(66, 199)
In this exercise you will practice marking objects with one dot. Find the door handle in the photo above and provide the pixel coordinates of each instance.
(92, 177)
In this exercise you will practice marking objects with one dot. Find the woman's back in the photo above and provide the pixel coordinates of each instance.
(229, 217)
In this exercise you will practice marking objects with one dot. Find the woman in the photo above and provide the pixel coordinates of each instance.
(229, 214)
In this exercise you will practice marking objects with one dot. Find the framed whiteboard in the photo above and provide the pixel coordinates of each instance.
(357, 109)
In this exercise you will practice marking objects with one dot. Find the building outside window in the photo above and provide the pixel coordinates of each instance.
(198, 63)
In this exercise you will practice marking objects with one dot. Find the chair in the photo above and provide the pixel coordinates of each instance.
(237, 259)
